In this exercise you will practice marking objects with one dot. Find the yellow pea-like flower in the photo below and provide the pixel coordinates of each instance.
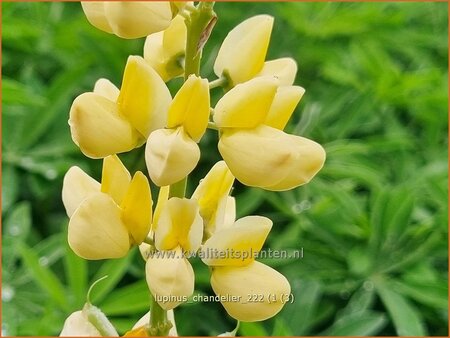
(253, 280)
(216, 207)
(247, 104)
(242, 53)
(170, 155)
(283, 69)
(245, 238)
(108, 122)
(283, 105)
(179, 224)
(169, 276)
(279, 161)
(107, 218)
(164, 51)
(129, 19)
(77, 324)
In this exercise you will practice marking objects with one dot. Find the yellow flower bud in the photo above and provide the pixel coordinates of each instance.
(107, 89)
(261, 290)
(137, 208)
(214, 188)
(98, 128)
(115, 178)
(247, 104)
(190, 108)
(78, 325)
(77, 186)
(170, 155)
(169, 276)
(164, 50)
(129, 20)
(243, 51)
(238, 243)
(279, 161)
(283, 106)
(96, 230)
(283, 69)
(179, 224)
(144, 97)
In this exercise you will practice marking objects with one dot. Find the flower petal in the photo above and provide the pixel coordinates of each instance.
(144, 97)
(96, 230)
(247, 104)
(174, 40)
(170, 156)
(137, 208)
(283, 106)
(169, 275)
(154, 55)
(237, 245)
(77, 325)
(190, 107)
(180, 224)
(284, 69)
(115, 178)
(77, 186)
(98, 129)
(137, 19)
(95, 13)
(145, 319)
(271, 289)
(107, 89)
(163, 197)
(243, 51)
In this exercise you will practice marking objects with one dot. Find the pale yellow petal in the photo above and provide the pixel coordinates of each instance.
(154, 55)
(239, 244)
(115, 178)
(77, 186)
(137, 19)
(163, 197)
(225, 215)
(283, 105)
(96, 230)
(170, 155)
(169, 275)
(145, 320)
(190, 107)
(309, 159)
(284, 69)
(258, 157)
(242, 53)
(180, 224)
(95, 13)
(270, 291)
(77, 325)
(98, 129)
(137, 208)
(144, 97)
(107, 89)
(247, 104)
(174, 40)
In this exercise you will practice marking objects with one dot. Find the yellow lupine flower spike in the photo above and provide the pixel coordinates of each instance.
(253, 279)
(245, 237)
(106, 122)
(165, 50)
(212, 193)
(107, 218)
(242, 53)
(128, 19)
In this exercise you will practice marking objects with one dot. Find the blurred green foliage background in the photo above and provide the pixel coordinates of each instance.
(372, 224)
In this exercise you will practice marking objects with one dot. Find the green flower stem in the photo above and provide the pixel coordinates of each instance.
(212, 125)
(199, 27)
(220, 82)
(199, 22)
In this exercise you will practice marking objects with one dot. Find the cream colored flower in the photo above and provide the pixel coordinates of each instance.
(172, 153)
(169, 274)
(165, 51)
(251, 117)
(129, 19)
(77, 325)
(107, 122)
(107, 218)
(235, 273)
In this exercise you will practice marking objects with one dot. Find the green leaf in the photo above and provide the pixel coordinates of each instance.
(131, 299)
(281, 328)
(431, 294)
(407, 320)
(76, 273)
(43, 276)
(115, 269)
(252, 329)
(10, 186)
(18, 224)
(360, 324)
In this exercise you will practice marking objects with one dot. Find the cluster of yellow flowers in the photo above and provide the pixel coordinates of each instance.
(107, 218)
